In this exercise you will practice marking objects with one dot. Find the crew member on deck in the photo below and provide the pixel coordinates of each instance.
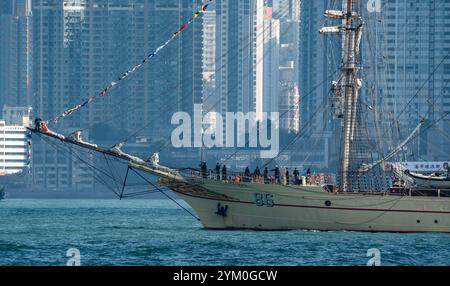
(37, 124)
(308, 175)
(218, 171)
(224, 172)
(287, 176)
(257, 172)
(247, 175)
(41, 125)
(266, 173)
(277, 174)
(296, 174)
(247, 172)
(203, 169)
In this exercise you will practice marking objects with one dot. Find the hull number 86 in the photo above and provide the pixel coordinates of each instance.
(264, 199)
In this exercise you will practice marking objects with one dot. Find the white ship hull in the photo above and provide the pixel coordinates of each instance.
(308, 208)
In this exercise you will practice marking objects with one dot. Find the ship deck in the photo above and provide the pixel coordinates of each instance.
(320, 182)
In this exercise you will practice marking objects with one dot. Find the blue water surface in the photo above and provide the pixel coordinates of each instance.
(157, 232)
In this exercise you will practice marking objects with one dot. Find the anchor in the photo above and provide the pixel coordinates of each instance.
(222, 210)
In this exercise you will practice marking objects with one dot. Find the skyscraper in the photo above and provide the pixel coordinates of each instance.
(176, 75)
(318, 65)
(83, 45)
(271, 92)
(288, 9)
(48, 28)
(210, 97)
(209, 44)
(288, 14)
(239, 53)
(15, 53)
(6, 7)
(407, 64)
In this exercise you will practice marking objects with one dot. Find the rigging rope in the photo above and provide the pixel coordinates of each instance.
(135, 68)
(162, 192)
(223, 56)
(295, 106)
(95, 170)
(299, 135)
(90, 166)
(422, 87)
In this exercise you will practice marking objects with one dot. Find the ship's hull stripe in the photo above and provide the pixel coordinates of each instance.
(328, 208)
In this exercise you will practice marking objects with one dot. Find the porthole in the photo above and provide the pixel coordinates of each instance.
(418, 221)
(436, 221)
(328, 203)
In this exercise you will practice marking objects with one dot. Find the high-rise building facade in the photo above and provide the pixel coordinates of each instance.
(15, 53)
(287, 12)
(83, 45)
(176, 75)
(210, 99)
(14, 149)
(15, 142)
(319, 59)
(287, 9)
(271, 92)
(319, 62)
(209, 44)
(240, 53)
(48, 58)
(6, 7)
(407, 62)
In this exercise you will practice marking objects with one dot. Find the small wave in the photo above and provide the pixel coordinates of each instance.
(8, 246)
(118, 227)
(153, 251)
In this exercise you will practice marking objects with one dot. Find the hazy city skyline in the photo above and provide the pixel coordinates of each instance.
(246, 56)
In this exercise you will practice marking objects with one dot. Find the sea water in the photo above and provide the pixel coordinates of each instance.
(158, 232)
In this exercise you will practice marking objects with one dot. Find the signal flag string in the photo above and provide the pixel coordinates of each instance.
(125, 75)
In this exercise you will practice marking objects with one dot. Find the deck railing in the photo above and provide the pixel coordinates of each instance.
(239, 177)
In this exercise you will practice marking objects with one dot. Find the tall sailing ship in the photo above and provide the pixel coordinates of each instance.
(362, 200)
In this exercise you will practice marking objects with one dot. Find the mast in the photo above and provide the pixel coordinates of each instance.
(350, 83)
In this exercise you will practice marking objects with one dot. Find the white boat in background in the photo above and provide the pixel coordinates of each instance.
(438, 179)
(434, 181)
